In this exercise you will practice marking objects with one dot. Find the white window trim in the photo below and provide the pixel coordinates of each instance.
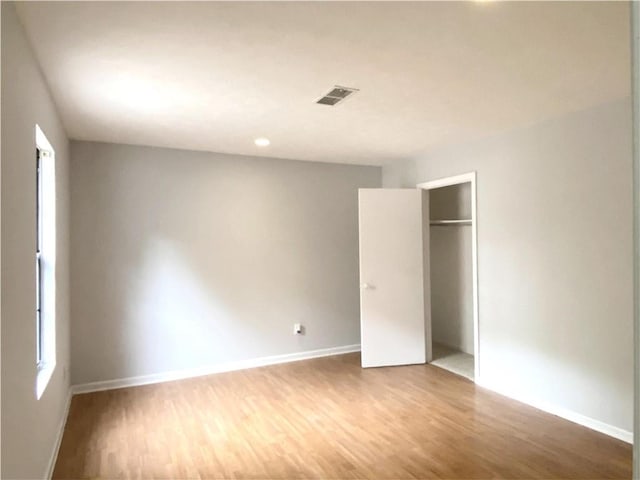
(45, 369)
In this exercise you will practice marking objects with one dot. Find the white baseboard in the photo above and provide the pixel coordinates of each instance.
(56, 446)
(561, 412)
(208, 370)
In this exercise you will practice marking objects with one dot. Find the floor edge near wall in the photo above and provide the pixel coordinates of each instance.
(208, 370)
(564, 413)
(588, 422)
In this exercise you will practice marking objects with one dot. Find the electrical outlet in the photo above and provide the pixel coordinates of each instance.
(297, 329)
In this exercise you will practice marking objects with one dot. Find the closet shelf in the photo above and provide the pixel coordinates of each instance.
(462, 221)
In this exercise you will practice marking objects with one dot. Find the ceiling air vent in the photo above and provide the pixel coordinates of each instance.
(336, 95)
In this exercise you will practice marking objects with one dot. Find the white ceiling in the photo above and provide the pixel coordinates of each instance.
(215, 75)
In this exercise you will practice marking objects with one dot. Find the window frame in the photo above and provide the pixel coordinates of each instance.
(45, 262)
(39, 268)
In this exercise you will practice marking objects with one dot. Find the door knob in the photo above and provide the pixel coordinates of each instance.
(366, 286)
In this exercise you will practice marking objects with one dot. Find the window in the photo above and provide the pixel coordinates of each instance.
(45, 262)
(39, 329)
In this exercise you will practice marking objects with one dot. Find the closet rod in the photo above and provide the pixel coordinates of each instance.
(450, 222)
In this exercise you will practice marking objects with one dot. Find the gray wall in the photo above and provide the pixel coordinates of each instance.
(635, 31)
(188, 259)
(555, 257)
(451, 268)
(29, 426)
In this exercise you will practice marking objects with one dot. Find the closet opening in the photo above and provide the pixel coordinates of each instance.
(453, 274)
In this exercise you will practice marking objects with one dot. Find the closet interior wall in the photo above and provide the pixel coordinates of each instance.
(451, 268)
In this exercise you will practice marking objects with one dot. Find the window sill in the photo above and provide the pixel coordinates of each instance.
(42, 379)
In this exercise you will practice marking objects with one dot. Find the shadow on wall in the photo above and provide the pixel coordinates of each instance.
(172, 318)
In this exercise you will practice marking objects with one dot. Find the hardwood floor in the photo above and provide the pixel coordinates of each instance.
(326, 418)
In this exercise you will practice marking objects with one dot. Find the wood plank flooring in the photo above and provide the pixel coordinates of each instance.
(326, 418)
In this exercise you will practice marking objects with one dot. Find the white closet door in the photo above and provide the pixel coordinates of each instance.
(393, 270)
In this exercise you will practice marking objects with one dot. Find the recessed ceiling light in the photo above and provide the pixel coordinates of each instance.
(262, 142)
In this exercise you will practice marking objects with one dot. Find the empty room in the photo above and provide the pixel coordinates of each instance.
(329, 240)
